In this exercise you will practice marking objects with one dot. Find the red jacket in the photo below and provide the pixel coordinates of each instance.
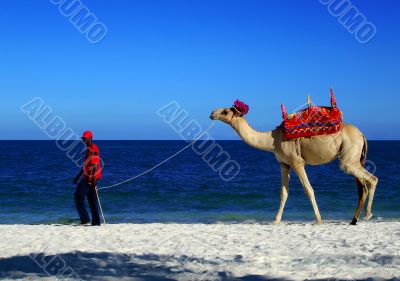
(92, 160)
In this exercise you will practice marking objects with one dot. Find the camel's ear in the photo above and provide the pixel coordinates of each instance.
(236, 112)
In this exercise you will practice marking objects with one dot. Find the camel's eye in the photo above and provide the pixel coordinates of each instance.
(225, 112)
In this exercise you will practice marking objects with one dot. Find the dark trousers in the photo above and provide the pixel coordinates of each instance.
(85, 190)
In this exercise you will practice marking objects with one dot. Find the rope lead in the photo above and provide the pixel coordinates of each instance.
(159, 164)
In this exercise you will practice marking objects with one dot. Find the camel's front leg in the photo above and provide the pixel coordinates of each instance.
(285, 177)
(301, 173)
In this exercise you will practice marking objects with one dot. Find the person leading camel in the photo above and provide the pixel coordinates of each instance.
(88, 175)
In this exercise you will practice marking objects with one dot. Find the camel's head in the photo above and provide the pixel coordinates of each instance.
(227, 115)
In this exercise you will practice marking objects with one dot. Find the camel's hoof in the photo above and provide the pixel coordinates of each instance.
(276, 222)
(367, 217)
(319, 222)
(353, 222)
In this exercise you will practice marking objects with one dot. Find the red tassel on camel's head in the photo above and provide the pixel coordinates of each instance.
(241, 107)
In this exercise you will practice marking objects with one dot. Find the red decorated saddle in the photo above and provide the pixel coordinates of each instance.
(312, 121)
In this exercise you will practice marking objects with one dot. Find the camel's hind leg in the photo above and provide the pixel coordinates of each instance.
(353, 154)
(362, 196)
(371, 190)
(366, 182)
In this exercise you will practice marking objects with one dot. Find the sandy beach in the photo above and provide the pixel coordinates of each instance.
(290, 251)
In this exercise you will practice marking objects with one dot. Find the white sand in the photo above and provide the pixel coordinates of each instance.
(290, 251)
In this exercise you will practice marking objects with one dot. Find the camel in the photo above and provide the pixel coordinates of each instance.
(349, 145)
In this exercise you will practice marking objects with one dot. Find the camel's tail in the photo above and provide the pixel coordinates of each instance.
(364, 152)
(363, 159)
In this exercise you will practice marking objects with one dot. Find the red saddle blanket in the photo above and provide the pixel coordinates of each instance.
(312, 121)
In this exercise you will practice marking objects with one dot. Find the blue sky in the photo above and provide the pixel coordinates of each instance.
(201, 54)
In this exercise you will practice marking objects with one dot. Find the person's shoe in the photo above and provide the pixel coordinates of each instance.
(85, 224)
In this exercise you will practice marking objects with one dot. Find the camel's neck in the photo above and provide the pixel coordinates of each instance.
(263, 141)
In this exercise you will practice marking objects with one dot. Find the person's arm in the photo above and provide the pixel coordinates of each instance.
(94, 180)
(78, 176)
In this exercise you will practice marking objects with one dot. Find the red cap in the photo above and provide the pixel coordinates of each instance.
(87, 135)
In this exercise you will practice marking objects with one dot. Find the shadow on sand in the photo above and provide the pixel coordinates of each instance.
(111, 266)
(106, 266)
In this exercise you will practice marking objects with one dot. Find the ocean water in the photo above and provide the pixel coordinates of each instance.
(36, 185)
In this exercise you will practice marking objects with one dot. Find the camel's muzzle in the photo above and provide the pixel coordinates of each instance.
(212, 117)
